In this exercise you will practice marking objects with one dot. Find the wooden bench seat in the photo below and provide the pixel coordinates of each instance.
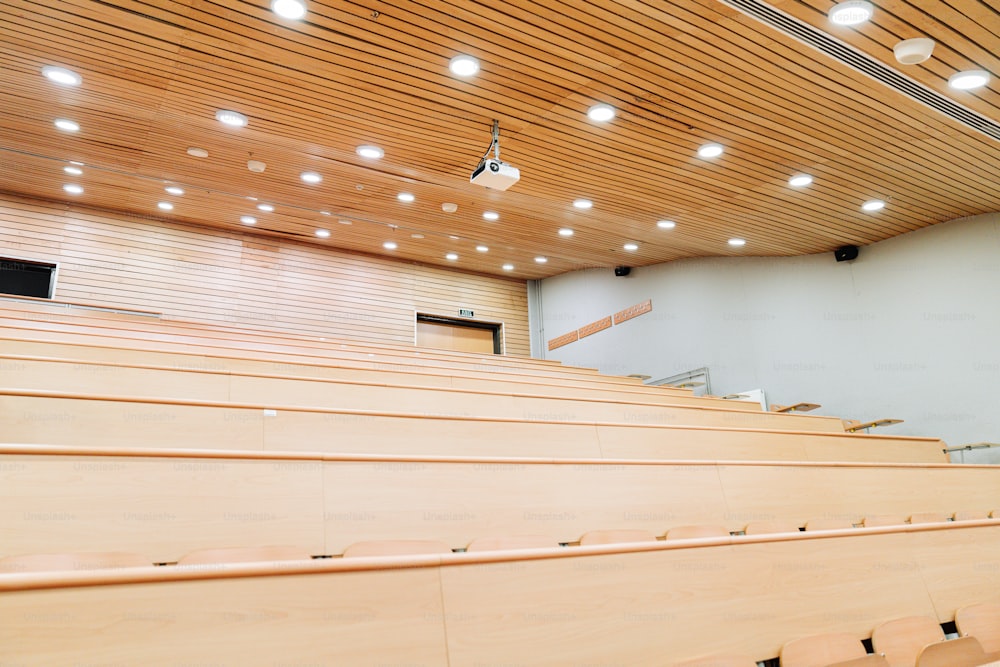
(662, 602)
(167, 503)
(284, 392)
(33, 416)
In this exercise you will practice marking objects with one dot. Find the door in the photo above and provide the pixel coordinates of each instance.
(458, 335)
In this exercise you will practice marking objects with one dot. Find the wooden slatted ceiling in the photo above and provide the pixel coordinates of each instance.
(680, 74)
(269, 283)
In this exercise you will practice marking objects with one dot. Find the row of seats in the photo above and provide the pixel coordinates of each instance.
(910, 641)
(102, 560)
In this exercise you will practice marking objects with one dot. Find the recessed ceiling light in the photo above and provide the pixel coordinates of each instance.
(288, 9)
(174, 190)
(873, 205)
(631, 246)
(75, 171)
(416, 236)
(248, 220)
(310, 177)
(451, 256)
(323, 233)
(370, 152)
(666, 224)
(267, 208)
(851, 12)
(231, 118)
(61, 75)
(710, 150)
(79, 164)
(165, 206)
(541, 260)
(449, 207)
(583, 204)
(324, 213)
(973, 78)
(491, 215)
(390, 245)
(194, 151)
(345, 222)
(508, 267)
(405, 197)
(453, 237)
(482, 248)
(737, 242)
(565, 231)
(463, 65)
(256, 166)
(800, 180)
(73, 189)
(601, 113)
(67, 125)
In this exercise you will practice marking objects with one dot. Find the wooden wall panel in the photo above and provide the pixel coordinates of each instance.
(145, 263)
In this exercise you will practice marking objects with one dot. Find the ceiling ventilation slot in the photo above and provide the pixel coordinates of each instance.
(865, 64)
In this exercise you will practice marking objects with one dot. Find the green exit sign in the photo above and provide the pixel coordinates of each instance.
(465, 312)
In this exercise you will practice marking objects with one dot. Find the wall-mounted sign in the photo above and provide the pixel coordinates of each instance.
(465, 312)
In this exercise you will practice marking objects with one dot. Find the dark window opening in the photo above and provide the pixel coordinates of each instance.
(22, 277)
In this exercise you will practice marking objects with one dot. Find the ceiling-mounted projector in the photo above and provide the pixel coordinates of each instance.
(495, 174)
(492, 172)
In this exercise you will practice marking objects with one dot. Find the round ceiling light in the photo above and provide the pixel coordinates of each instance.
(197, 152)
(736, 243)
(601, 113)
(913, 51)
(267, 208)
(370, 152)
(973, 78)
(405, 197)
(800, 180)
(541, 260)
(67, 125)
(73, 189)
(482, 248)
(631, 247)
(256, 166)
(463, 65)
(873, 205)
(323, 233)
(451, 256)
(248, 220)
(61, 75)
(310, 177)
(583, 204)
(174, 190)
(710, 150)
(449, 207)
(508, 267)
(73, 171)
(491, 216)
(289, 9)
(165, 206)
(390, 245)
(851, 12)
(231, 118)
(565, 231)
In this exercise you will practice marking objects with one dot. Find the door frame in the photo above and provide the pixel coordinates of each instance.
(499, 343)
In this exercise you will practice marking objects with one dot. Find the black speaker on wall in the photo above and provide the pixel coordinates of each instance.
(621, 271)
(846, 253)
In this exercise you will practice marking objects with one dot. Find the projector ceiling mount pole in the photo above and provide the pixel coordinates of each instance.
(495, 144)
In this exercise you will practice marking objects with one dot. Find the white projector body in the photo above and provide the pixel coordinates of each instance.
(495, 174)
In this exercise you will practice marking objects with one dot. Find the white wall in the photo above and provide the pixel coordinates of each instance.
(910, 329)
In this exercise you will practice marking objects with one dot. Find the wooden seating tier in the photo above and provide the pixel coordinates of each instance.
(637, 604)
(166, 503)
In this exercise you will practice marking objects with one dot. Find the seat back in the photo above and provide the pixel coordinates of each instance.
(883, 520)
(767, 527)
(396, 548)
(981, 621)
(97, 560)
(928, 517)
(696, 531)
(901, 639)
(243, 555)
(961, 652)
(821, 650)
(505, 542)
(970, 515)
(870, 660)
(615, 536)
(828, 524)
